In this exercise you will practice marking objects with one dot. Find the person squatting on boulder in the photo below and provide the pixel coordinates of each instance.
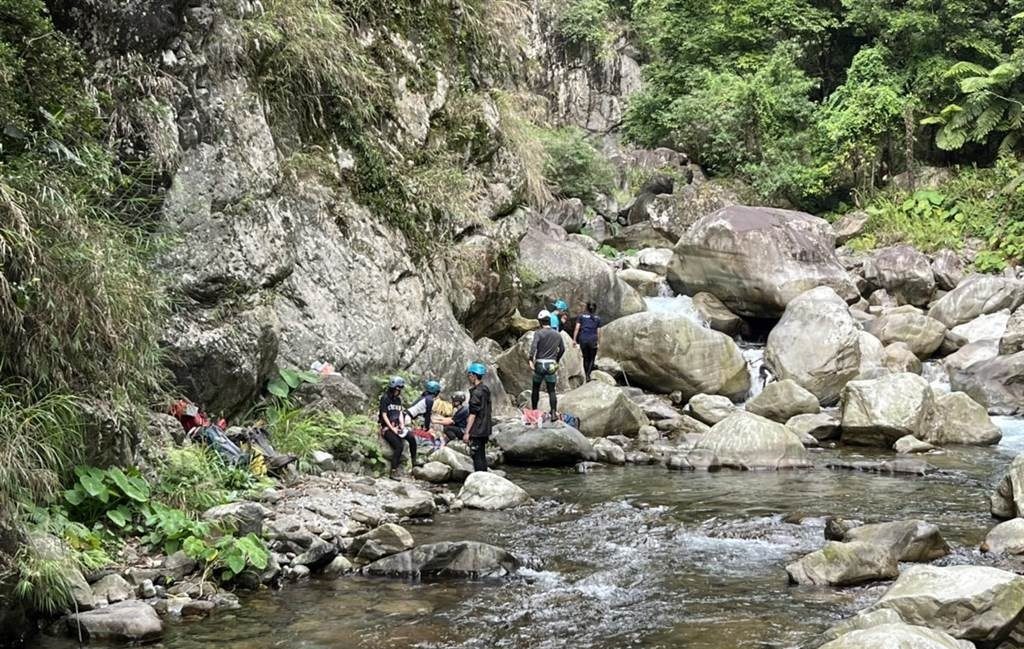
(391, 425)
(588, 336)
(424, 406)
(455, 426)
(545, 352)
(478, 424)
(558, 316)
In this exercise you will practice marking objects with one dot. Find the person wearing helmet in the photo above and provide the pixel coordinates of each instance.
(588, 336)
(559, 316)
(478, 423)
(391, 425)
(424, 406)
(455, 426)
(545, 352)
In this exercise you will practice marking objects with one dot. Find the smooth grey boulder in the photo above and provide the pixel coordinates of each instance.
(667, 352)
(459, 464)
(844, 564)
(243, 517)
(996, 383)
(911, 540)
(551, 445)
(130, 621)
(850, 226)
(603, 410)
(903, 272)
(948, 269)
(922, 334)
(877, 412)
(609, 452)
(822, 426)
(516, 375)
(460, 560)
(747, 441)
(757, 259)
(655, 260)
(970, 354)
(908, 445)
(491, 492)
(433, 471)
(1013, 338)
(958, 419)
(895, 636)
(414, 506)
(782, 400)
(382, 541)
(975, 296)
(899, 358)
(113, 589)
(816, 344)
(975, 603)
(991, 326)
(1005, 538)
(644, 282)
(711, 408)
(1007, 501)
(718, 316)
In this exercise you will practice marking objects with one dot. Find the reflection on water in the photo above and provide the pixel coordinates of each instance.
(632, 556)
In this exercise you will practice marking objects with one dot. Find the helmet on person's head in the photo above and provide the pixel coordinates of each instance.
(544, 314)
(561, 305)
(591, 306)
(433, 387)
(477, 368)
(396, 382)
(459, 397)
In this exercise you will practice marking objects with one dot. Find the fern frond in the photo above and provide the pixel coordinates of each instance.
(974, 84)
(1008, 144)
(964, 68)
(1005, 73)
(988, 121)
(950, 138)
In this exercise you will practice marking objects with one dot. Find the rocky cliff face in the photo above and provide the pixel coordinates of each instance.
(276, 263)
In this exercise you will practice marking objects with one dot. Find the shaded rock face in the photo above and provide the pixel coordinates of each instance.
(756, 260)
(816, 344)
(903, 272)
(880, 411)
(438, 561)
(948, 270)
(850, 226)
(975, 603)
(1007, 501)
(822, 427)
(716, 314)
(747, 441)
(603, 410)
(976, 296)
(997, 383)
(1013, 338)
(551, 445)
(664, 352)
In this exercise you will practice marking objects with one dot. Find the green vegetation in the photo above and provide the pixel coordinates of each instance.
(814, 103)
(573, 166)
(195, 478)
(302, 431)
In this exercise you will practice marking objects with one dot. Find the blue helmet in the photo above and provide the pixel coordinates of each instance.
(561, 305)
(396, 382)
(477, 368)
(433, 387)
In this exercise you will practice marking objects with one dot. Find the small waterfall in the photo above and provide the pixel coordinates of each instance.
(677, 305)
(935, 373)
(1013, 433)
(754, 356)
(664, 290)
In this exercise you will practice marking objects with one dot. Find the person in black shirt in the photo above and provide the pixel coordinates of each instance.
(455, 426)
(391, 426)
(588, 336)
(478, 424)
(545, 352)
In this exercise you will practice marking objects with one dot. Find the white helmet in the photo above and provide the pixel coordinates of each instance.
(544, 314)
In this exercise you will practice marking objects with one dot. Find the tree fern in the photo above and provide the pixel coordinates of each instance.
(990, 105)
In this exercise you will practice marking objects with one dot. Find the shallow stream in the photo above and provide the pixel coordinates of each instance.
(629, 557)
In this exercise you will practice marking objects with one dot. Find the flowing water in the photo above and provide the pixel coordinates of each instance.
(629, 557)
(677, 305)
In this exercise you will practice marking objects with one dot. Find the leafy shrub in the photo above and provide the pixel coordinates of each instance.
(574, 167)
(585, 23)
(229, 554)
(109, 493)
(287, 380)
(43, 582)
(301, 432)
(195, 478)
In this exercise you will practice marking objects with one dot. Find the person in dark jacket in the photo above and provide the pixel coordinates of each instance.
(588, 336)
(391, 425)
(545, 352)
(478, 424)
(455, 426)
(424, 406)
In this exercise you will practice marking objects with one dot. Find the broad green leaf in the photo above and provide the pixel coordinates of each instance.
(92, 485)
(291, 377)
(134, 488)
(119, 516)
(74, 496)
(236, 563)
(278, 388)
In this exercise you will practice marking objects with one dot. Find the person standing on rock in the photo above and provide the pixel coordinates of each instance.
(478, 424)
(588, 336)
(559, 318)
(545, 352)
(395, 434)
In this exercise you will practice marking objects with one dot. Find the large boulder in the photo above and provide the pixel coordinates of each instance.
(816, 344)
(911, 540)
(907, 325)
(747, 441)
(975, 603)
(899, 358)
(975, 296)
(757, 259)
(711, 408)
(638, 236)
(782, 400)
(1013, 338)
(958, 419)
(991, 326)
(243, 517)
(1005, 538)
(489, 491)
(718, 316)
(655, 260)
(822, 426)
(552, 268)
(948, 269)
(516, 375)
(643, 282)
(462, 560)
(382, 541)
(903, 272)
(554, 444)
(603, 410)
(877, 412)
(894, 636)
(850, 226)
(667, 352)
(130, 621)
(997, 383)
(459, 465)
(844, 564)
(1007, 501)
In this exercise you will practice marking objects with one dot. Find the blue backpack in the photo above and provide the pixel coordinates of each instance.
(571, 420)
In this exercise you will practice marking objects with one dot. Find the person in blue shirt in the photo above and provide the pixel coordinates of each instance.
(588, 336)
(558, 316)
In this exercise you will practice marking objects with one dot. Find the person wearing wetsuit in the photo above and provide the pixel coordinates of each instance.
(478, 424)
(390, 419)
(545, 352)
(588, 336)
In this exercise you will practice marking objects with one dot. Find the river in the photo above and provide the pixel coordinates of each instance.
(630, 556)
